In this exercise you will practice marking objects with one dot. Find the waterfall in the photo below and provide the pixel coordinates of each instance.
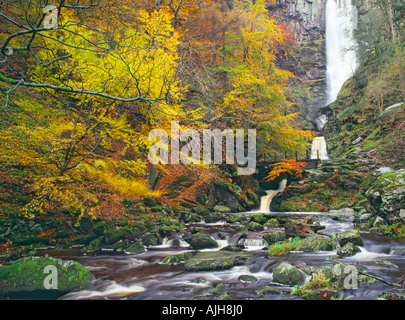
(341, 60)
(318, 149)
(254, 244)
(266, 200)
(174, 242)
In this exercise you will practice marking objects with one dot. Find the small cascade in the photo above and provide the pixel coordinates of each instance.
(254, 244)
(266, 200)
(366, 255)
(319, 149)
(173, 242)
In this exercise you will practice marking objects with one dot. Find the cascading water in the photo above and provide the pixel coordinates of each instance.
(341, 60)
(266, 200)
(318, 149)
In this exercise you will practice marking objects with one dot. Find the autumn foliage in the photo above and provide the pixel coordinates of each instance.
(78, 102)
(291, 167)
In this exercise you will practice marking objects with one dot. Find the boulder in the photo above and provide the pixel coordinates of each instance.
(287, 274)
(247, 278)
(268, 290)
(135, 248)
(216, 260)
(220, 208)
(402, 214)
(219, 290)
(378, 222)
(398, 251)
(233, 247)
(298, 228)
(352, 236)
(274, 237)
(316, 243)
(34, 275)
(202, 241)
(178, 258)
(254, 226)
(112, 235)
(349, 249)
(213, 217)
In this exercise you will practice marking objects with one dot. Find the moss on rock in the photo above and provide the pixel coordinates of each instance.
(29, 275)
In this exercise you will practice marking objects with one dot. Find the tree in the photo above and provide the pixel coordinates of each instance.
(287, 166)
(108, 84)
(257, 89)
(82, 40)
(381, 29)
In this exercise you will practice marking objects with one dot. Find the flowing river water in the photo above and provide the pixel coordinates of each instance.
(143, 277)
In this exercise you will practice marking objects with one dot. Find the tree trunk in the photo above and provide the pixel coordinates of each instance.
(154, 177)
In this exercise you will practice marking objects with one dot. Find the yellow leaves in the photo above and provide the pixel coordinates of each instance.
(127, 186)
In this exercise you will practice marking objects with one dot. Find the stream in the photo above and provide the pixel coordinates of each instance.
(143, 277)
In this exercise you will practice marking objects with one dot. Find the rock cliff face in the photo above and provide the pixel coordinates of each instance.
(305, 17)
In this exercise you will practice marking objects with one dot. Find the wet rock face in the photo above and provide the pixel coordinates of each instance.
(308, 17)
(386, 194)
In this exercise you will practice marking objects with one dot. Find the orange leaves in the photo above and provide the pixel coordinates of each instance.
(6, 247)
(288, 166)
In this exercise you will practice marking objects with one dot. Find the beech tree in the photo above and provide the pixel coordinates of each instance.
(110, 73)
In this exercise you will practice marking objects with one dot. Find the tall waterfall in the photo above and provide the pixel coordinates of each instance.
(341, 60)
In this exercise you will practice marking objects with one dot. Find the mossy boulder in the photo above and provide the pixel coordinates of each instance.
(352, 236)
(113, 235)
(213, 217)
(316, 243)
(254, 226)
(216, 260)
(287, 274)
(100, 227)
(267, 290)
(247, 278)
(222, 209)
(178, 258)
(349, 249)
(135, 248)
(274, 237)
(29, 276)
(93, 245)
(202, 241)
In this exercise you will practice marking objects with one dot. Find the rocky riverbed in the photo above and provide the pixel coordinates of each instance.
(246, 256)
